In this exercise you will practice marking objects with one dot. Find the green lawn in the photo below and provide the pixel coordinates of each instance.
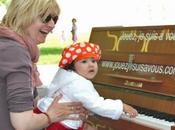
(50, 51)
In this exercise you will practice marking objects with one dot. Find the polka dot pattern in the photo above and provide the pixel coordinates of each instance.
(79, 51)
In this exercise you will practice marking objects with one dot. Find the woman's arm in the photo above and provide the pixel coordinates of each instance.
(57, 112)
(28, 120)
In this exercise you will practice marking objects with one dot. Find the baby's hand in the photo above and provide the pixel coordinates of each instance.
(130, 110)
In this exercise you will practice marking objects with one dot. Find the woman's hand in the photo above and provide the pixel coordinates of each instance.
(61, 111)
(84, 116)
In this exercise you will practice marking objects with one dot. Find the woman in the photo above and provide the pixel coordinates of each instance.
(25, 25)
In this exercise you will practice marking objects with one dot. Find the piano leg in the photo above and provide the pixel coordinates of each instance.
(173, 128)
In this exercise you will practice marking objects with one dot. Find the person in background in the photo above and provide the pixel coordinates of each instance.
(63, 37)
(25, 25)
(74, 30)
(78, 66)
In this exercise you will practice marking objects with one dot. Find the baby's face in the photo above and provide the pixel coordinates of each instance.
(86, 67)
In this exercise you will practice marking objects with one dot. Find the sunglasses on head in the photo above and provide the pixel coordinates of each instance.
(49, 17)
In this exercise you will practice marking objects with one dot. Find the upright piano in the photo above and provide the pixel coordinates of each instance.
(138, 67)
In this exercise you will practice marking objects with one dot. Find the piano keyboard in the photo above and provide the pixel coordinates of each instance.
(150, 121)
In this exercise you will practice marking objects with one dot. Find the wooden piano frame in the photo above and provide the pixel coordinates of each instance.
(137, 66)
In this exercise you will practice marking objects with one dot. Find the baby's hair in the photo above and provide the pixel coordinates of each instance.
(70, 66)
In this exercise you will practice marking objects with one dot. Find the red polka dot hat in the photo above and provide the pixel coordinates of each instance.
(78, 52)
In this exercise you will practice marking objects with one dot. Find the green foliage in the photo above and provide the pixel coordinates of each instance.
(4, 2)
(50, 51)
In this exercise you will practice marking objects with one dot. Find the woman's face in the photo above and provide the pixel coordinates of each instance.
(39, 30)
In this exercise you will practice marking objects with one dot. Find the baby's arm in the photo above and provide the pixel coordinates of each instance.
(86, 93)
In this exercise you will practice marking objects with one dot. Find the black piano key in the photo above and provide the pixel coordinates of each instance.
(156, 114)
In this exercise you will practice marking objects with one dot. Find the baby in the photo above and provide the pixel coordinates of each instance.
(78, 66)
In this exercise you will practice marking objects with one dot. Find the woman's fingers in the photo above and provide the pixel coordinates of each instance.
(61, 111)
(57, 98)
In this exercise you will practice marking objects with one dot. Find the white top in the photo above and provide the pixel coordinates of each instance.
(74, 87)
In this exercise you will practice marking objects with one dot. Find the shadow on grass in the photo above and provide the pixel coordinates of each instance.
(50, 51)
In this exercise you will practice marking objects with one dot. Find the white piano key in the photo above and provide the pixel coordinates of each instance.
(149, 121)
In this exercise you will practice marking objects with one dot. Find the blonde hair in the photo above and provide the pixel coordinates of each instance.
(22, 13)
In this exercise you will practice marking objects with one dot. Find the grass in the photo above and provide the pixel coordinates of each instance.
(50, 51)
(50, 55)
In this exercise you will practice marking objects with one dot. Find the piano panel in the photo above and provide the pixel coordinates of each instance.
(173, 128)
(115, 125)
(137, 66)
(150, 39)
(138, 98)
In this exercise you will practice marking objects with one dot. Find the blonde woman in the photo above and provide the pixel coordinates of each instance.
(25, 25)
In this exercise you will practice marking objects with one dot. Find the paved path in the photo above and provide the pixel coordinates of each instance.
(46, 74)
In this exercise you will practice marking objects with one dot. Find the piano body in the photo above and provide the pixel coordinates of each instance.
(137, 66)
